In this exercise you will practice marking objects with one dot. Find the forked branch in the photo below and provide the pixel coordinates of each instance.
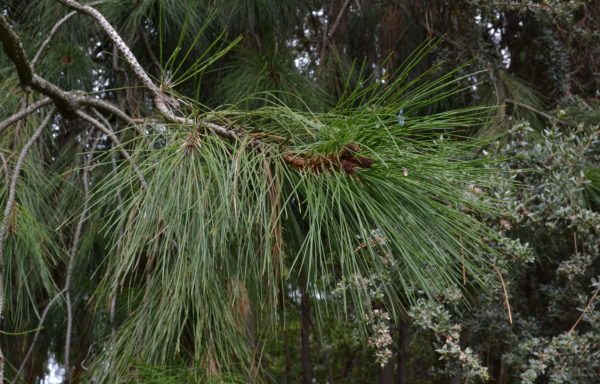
(67, 102)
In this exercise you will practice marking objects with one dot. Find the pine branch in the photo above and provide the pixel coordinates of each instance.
(158, 96)
(69, 103)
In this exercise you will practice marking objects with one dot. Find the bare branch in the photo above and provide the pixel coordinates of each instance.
(51, 34)
(23, 113)
(64, 101)
(10, 201)
(543, 114)
(510, 320)
(5, 169)
(338, 19)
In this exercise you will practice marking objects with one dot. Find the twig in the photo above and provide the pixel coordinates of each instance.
(587, 307)
(53, 32)
(113, 293)
(505, 295)
(328, 33)
(148, 47)
(526, 5)
(338, 19)
(541, 113)
(5, 169)
(23, 113)
(10, 201)
(105, 106)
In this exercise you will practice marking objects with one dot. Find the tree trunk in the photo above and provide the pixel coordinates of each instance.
(386, 373)
(504, 373)
(402, 370)
(394, 27)
(305, 334)
(288, 357)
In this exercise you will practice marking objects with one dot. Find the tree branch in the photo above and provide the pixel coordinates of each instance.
(139, 71)
(14, 49)
(5, 169)
(68, 103)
